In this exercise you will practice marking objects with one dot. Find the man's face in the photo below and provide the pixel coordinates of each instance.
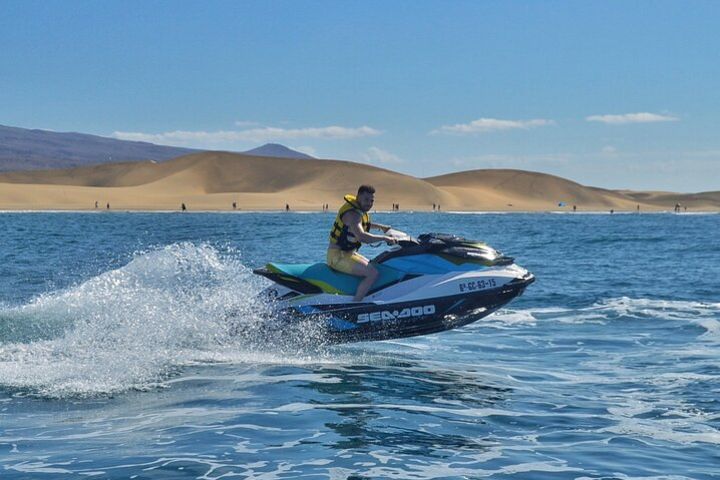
(366, 200)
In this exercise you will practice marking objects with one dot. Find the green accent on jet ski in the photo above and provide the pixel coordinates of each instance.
(329, 280)
(299, 298)
(325, 287)
(272, 268)
(281, 274)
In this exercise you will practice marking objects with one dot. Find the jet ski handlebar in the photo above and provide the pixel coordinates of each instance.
(402, 238)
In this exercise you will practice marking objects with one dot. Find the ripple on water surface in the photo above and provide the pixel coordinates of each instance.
(132, 372)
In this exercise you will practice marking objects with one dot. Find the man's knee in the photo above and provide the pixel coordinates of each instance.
(367, 271)
(372, 272)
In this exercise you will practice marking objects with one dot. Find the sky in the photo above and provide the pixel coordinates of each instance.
(615, 94)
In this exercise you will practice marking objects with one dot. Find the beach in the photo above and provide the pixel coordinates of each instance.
(212, 181)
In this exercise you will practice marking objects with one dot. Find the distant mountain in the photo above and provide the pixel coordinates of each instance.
(276, 150)
(25, 149)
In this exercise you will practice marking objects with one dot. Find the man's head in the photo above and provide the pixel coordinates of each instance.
(366, 197)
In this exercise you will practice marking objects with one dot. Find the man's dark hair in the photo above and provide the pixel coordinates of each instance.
(366, 189)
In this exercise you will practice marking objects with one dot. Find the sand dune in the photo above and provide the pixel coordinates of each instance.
(213, 180)
(523, 190)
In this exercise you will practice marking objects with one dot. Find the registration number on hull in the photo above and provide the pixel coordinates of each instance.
(477, 285)
(396, 314)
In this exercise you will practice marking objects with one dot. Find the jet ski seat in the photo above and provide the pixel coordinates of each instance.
(322, 278)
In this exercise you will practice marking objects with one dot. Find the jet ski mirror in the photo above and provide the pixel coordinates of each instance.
(403, 239)
(397, 234)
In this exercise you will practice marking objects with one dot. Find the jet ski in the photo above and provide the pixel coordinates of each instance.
(428, 284)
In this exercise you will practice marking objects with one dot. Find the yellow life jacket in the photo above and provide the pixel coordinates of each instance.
(340, 235)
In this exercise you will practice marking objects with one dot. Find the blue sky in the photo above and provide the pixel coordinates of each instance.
(618, 94)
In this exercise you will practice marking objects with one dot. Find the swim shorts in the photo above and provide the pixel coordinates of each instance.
(344, 260)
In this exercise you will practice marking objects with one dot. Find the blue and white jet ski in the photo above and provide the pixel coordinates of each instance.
(426, 285)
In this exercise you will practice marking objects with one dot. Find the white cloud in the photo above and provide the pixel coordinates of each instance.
(522, 161)
(307, 149)
(609, 149)
(641, 117)
(264, 134)
(484, 125)
(246, 123)
(377, 155)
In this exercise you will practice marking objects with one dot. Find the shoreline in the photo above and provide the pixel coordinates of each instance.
(374, 212)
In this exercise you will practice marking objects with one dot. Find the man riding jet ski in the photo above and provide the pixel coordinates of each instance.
(349, 231)
(420, 286)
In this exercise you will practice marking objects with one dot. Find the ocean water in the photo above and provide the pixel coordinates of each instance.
(115, 360)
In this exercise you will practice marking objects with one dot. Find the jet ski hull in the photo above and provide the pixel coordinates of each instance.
(358, 322)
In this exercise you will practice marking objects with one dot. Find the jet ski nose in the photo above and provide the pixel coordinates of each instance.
(522, 281)
(521, 277)
(517, 270)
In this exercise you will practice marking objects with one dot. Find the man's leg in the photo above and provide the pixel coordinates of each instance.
(362, 268)
(354, 264)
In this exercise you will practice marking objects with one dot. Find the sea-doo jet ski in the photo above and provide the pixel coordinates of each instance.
(426, 285)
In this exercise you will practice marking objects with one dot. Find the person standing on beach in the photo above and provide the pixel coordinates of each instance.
(349, 231)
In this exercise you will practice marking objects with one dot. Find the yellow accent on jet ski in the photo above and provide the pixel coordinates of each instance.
(326, 287)
(321, 276)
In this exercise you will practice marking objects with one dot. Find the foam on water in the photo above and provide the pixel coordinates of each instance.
(702, 314)
(132, 327)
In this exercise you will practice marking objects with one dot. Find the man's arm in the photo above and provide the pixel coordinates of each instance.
(354, 222)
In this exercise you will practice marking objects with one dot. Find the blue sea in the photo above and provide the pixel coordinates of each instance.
(116, 360)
